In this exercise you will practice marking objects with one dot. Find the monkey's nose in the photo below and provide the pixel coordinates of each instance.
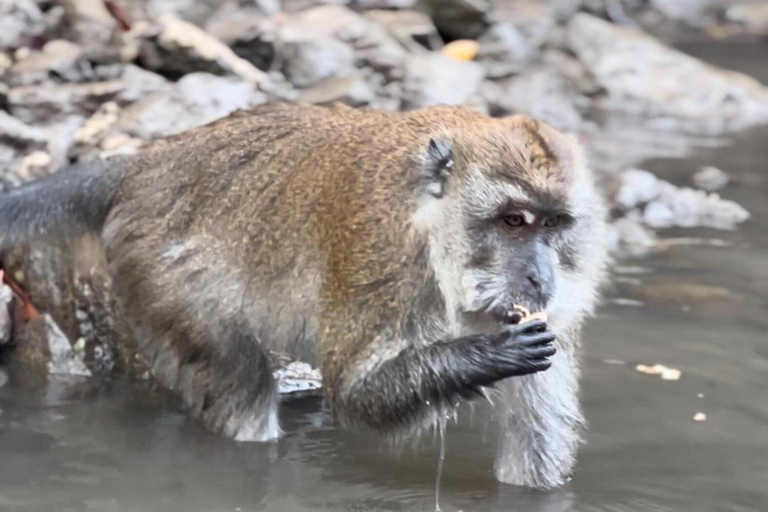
(540, 291)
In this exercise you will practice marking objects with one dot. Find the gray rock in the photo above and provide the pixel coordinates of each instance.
(297, 377)
(751, 16)
(6, 323)
(536, 19)
(332, 40)
(689, 11)
(50, 101)
(685, 207)
(710, 179)
(659, 214)
(642, 75)
(637, 187)
(413, 30)
(20, 22)
(352, 90)
(247, 32)
(19, 133)
(460, 19)
(89, 24)
(139, 83)
(632, 237)
(435, 79)
(59, 57)
(46, 343)
(177, 47)
(505, 51)
(197, 99)
(310, 61)
(383, 4)
(540, 92)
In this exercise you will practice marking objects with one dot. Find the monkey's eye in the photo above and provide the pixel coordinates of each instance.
(551, 222)
(515, 220)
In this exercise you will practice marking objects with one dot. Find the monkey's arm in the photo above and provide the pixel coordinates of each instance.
(401, 390)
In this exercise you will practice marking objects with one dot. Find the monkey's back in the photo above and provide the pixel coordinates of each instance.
(242, 218)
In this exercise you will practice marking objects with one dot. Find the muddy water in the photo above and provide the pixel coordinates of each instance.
(122, 447)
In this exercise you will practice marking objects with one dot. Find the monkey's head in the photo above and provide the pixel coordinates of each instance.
(512, 217)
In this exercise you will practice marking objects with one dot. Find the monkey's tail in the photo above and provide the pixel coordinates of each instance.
(73, 200)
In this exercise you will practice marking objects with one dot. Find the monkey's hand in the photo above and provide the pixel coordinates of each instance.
(518, 349)
(420, 377)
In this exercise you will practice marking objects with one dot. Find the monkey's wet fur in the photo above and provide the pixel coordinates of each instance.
(387, 248)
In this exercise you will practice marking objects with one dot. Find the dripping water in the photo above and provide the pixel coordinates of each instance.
(440, 461)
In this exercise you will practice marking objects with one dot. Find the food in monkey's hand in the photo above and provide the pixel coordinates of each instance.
(522, 315)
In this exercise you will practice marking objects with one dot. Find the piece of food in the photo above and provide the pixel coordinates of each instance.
(462, 50)
(521, 315)
(659, 369)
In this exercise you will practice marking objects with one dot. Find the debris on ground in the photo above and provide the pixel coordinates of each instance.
(659, 369)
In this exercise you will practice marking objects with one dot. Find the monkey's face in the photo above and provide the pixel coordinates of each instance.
(511, 206)
(511, 243)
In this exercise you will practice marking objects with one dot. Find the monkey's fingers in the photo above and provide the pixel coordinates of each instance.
(536, 339)
(534, 326)
(535, 367)
(543, 351)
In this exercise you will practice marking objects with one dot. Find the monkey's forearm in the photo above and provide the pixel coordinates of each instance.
(405, 387)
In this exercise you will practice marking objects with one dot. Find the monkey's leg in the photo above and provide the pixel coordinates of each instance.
(540, 426)
(224, 378)
(186, 309)
(422, 380)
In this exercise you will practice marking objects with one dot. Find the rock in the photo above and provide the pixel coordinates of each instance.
(633, 237)
(89, 24)
(414, 30)
(352, 90)
(637, 187)
(689, 11)
(539, 92)
(659, 214)
(50, 101)
(35, 165)
(21, 21)
(685, 207)
(94, 129)
(6, 322)
(535, 19)
(46, 344)
(640, 74)
(710, 179)
(19, 133)
(308, 62)
(753, 17)
(119, 144)
(332, 40)
(246, 32)
(139, 83)
(435, 79)
(197, 99)
(460, 19)
(505, 51)
(58, 57)
(176, 47)
(297, 377)
(392, 5)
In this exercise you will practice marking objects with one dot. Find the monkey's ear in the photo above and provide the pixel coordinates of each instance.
(437, 166)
